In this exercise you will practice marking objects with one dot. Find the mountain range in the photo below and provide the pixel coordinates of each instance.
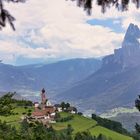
(116, 83)
(53, 77)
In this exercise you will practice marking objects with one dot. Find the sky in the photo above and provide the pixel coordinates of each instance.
(51, 30)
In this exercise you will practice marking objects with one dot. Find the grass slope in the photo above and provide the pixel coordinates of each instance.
(15, 119)
(80, 123)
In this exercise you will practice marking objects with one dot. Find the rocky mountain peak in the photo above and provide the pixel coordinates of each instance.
(132, 36)
(133, 30)
(129, 54)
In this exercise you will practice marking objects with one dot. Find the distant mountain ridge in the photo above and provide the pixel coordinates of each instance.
(116, 83)
(54, 77)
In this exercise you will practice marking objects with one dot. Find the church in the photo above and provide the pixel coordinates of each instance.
(44, 111)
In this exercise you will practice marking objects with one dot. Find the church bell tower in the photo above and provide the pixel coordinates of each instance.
(43, 98)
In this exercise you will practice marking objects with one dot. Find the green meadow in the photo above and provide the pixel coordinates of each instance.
(80, 123)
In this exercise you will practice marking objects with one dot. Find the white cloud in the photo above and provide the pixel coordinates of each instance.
(58, 29)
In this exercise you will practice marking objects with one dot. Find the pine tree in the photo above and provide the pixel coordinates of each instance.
(137, 104)
(123, 6)
(5, 15)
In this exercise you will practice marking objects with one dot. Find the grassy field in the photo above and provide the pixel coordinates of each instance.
(83, 122)
(15, 119)
(108, 133)
(80, 123)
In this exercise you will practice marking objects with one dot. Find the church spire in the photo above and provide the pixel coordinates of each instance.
(43, 98)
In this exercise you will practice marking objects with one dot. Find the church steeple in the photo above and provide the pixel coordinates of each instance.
(43, 90)
(43, 98)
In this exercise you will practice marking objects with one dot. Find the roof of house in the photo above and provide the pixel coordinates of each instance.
(47, 110)
(57, 105)
(71, 109)
(39, 113)
(50, 109)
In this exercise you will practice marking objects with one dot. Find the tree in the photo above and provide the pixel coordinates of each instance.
(136, 136)
(5, 15)
(67, 105)
(101, 137)
(80, 113)
(6, 104)
(137, 104)
(63, 105)
(84, 136)
(69, 129)
(8, 132)
(123, 6)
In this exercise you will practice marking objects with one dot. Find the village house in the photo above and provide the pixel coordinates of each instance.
(72, 110)
(58, 107)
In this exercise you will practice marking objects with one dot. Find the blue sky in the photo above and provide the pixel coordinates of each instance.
(115, 26)
(50, 30)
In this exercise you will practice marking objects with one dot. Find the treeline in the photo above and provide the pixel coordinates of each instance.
(22, 103)
(136, 136)
(113, 125)
(5, 104)
(8, 103)
(37, 131)
(66, 106)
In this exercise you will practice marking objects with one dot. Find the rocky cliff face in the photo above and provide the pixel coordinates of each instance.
(129, 55)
